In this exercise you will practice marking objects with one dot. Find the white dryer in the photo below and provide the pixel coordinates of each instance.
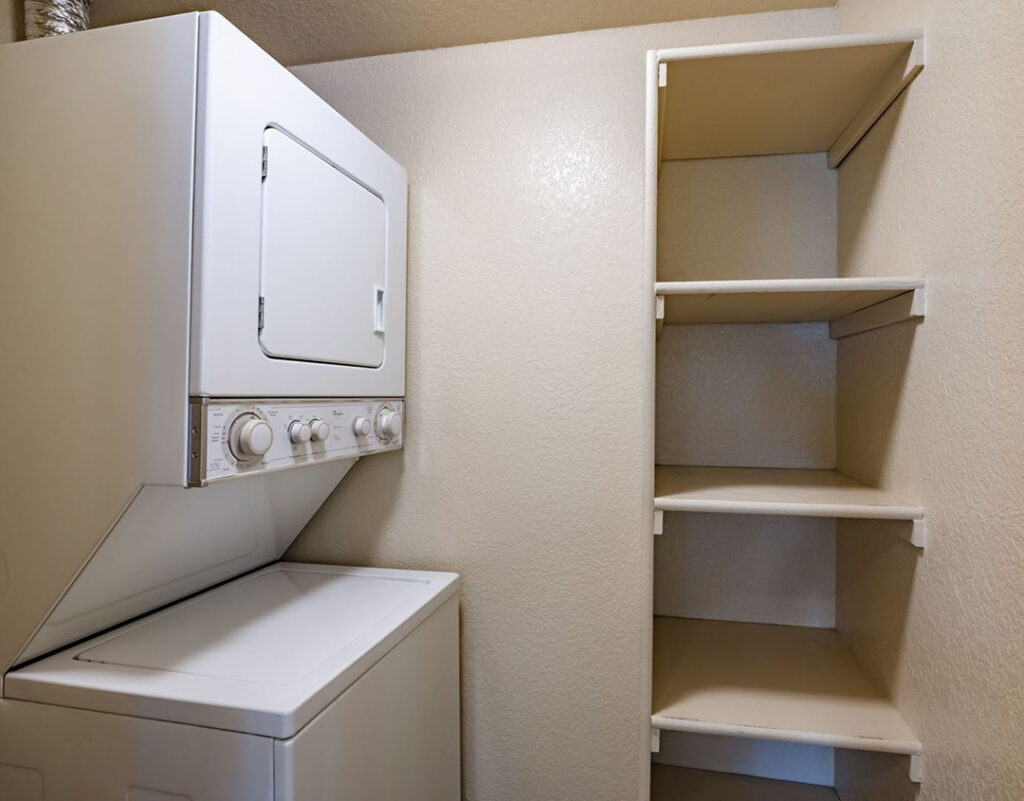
(203, 291)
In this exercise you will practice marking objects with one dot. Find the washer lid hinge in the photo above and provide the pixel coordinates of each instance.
(264, 172)
(259, 325)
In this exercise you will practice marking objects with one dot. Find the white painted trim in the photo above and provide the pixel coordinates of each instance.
(645, 614)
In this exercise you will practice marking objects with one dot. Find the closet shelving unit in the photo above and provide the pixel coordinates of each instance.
(752, 680)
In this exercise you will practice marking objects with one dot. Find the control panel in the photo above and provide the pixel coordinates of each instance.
(231, 438)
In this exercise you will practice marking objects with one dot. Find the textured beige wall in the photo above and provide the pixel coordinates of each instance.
(746, 396)
(935, 410)
(11, 23)
(754, 568)
(527, 464)
(722, 218)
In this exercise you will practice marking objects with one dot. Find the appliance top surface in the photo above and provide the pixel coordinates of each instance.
(272, 628)
(262, 654)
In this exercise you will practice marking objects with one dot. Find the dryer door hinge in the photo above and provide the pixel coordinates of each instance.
(260, 323)
(264, 161)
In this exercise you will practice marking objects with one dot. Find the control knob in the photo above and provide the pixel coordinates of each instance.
(361, 427)
(389, 423)
(250, 436)
(299, 432)
(319, 429)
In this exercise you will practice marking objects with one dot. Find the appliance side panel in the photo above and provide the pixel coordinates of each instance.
(94, 233)
(75, 754)
(403, 712)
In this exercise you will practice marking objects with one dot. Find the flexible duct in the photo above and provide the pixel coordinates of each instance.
(53, 17)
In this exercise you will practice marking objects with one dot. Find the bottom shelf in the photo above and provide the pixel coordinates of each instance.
(783, 683)
(686, 784)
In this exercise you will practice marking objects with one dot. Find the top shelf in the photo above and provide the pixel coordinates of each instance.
(787, 96)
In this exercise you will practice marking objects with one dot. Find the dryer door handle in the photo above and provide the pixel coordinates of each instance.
(378, 310)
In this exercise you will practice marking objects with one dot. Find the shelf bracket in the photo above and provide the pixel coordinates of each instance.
(916, 768)
(655, 740)
(918, 533)
(659, 313)
(659, 521)
(908, 306)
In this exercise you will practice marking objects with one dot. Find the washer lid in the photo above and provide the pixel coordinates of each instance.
(263, 654)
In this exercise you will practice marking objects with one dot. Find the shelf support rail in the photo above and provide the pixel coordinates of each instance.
(908, 306)
(895, 81)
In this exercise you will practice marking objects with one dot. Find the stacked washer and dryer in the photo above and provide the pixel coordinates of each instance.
(203, 328)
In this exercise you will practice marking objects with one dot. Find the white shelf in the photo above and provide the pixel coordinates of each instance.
(852, 305)
(770, 491)
(783, 683)
(670, 783)
(788, 96)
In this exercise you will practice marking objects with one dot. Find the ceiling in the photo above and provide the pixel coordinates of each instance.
(308, 31)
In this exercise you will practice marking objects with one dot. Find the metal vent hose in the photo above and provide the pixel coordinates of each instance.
(53, 17)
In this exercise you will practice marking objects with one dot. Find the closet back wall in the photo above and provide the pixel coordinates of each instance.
(528, 464)
(746, 395)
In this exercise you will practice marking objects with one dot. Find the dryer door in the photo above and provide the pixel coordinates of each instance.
(322, 264)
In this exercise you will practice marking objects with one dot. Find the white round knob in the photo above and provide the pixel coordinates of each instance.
(319, 429)
(389, 424)
(254, 436)
(299, 432)
(361, 427)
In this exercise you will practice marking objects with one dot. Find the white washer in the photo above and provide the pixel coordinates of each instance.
(295, 683)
